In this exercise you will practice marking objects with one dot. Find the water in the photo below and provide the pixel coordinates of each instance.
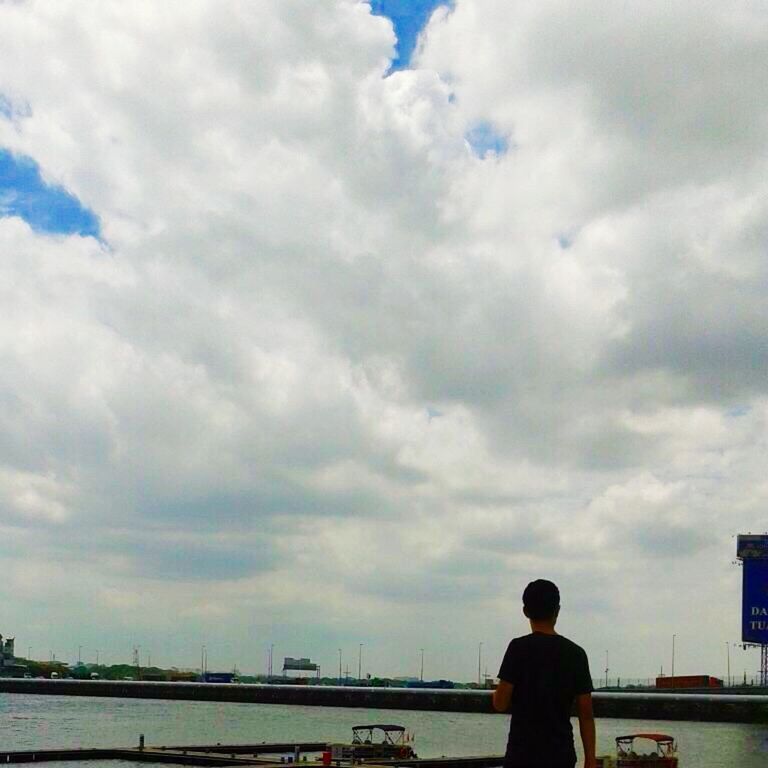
(73, 721)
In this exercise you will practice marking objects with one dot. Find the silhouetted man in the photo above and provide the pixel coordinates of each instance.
(541, 676)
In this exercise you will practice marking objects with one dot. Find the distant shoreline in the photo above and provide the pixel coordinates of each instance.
(698, 707)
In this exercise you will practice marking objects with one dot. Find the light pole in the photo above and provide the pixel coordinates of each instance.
(421, 674)
(360, 663)
(673, 660)
(97, 657)
(79, 655)
(479, 662)
(728, 652)
(339, 664)
(606, 669)
(29, 652)
(269, 668)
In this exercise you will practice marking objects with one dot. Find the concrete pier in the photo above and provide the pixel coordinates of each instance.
(637, 705)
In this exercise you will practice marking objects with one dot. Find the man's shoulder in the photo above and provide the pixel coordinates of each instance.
(570, 642)
(534, 639)
(574, 648)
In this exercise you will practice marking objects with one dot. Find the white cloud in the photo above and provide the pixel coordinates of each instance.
(336, 378)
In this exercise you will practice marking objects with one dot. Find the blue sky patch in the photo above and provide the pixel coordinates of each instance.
(484, 140)
(408, 18)
(12, 110)
(46, 208)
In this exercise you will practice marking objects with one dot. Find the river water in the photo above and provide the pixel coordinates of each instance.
(73, 721)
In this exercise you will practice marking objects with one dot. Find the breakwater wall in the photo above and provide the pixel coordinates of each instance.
(642, 706)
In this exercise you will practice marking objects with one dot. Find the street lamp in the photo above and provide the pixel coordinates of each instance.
(360, 663)
(606, 669)
(673, 660)
(421, 675)
(339, 665)
(728, 651)
(479, 662)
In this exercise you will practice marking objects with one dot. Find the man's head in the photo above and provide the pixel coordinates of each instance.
(541, 601)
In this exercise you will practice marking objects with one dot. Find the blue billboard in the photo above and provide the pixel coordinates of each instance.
(749, 545)
(754, 612)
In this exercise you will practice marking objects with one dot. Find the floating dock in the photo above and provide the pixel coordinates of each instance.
(297, 754)
(702, 707)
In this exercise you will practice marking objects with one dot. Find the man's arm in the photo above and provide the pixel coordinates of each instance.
(586, 728)
(502, 696)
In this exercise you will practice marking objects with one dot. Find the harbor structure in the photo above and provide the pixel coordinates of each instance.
(672, 705)
(9, 667)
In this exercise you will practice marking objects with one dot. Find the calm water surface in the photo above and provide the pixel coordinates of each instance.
(73, 721)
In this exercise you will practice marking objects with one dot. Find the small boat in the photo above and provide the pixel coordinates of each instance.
(640, 750)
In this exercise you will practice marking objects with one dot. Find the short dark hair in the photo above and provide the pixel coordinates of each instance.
(541, 599)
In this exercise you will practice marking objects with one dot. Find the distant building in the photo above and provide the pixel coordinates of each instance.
(430, 684)
(689, 681)
(153, 675)
(182, 675)
(6, 651)
(218, 677)
(8, 665)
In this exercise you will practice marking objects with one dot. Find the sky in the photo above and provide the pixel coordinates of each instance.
(329, 324)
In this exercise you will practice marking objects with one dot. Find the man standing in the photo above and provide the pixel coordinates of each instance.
(541, 676)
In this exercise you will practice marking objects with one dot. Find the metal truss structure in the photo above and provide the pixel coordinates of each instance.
(764, 665)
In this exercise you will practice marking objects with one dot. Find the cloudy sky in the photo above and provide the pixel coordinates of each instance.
(328, 323)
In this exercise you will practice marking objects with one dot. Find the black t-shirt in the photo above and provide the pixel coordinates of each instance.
(547, 672)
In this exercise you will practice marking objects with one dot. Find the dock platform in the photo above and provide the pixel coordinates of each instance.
(263, 755)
